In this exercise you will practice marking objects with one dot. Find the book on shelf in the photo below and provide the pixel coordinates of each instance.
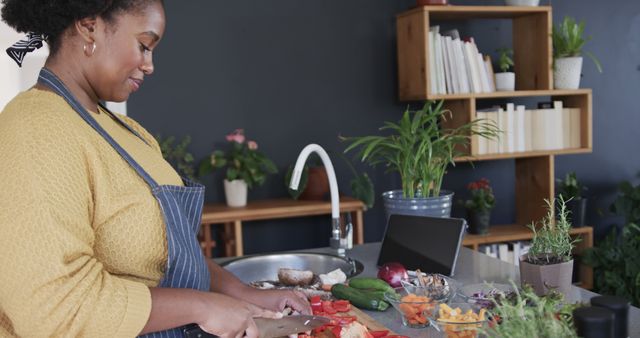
(524, 130)
(509, 252)
(455, 65)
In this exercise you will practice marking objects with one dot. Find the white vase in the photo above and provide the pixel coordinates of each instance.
(235, 192)
(522, 2)
(566, 73)
(505, 82)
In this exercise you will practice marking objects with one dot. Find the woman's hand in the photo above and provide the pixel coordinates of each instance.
(229, 317)
(277, 300)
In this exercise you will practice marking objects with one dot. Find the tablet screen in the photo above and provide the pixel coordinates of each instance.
(426, 243)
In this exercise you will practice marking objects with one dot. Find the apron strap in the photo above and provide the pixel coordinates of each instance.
(49, 79)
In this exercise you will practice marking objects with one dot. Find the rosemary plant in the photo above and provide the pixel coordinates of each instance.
(551, 242)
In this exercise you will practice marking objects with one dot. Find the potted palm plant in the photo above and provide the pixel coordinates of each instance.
(571, 191)
(548, 266)
(246, 167)
(506, 80)
(420, 150)
(568, 41)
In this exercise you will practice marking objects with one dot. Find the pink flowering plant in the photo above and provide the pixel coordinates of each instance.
(243, 161)
(482, 198)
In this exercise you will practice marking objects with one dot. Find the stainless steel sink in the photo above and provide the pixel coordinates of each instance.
(265, 267)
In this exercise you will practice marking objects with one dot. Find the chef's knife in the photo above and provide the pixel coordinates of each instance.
(271, 328)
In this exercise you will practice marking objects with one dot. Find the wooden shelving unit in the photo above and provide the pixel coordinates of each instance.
(532, 45)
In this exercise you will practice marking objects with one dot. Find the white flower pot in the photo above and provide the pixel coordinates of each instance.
(505, 82)
(566, 73)
(236, 193)
(522, 2)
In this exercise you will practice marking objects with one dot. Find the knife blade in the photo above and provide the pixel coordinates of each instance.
(271, 328)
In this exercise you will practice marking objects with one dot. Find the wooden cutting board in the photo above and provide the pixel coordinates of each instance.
(367, 321)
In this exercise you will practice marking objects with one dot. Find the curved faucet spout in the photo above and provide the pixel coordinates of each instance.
(336, 233)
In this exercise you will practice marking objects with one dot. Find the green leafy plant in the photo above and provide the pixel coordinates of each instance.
(528, 315)
(551, 243)
(243, 161)
(361, 185)
(568, 40)
(419, 148)
(482, 197)
(177, 155)
(505, 60)
(570, 188)
(616, 272)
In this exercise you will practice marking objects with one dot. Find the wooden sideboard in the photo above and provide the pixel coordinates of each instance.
(232, 217)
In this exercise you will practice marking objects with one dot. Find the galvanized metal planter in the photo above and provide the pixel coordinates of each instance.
(395, 203)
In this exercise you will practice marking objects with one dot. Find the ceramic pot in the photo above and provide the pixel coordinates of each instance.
(505, 82)
(395, 203)
(522, 2)
(566, 73)
(478, 221)
(235, 193)
(317, 188)
(543, 278)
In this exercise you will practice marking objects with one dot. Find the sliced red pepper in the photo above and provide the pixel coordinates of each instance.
(327, 307)
(316, 304)
(342, 305)
(343, 320)
(379, 334)
(336, 330)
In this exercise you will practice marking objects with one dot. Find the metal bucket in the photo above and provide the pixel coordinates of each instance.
(395, 203)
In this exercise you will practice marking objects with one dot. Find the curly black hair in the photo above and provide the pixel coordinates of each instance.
(53, 17)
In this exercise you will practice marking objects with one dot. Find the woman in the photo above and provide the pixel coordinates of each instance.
(97, 231)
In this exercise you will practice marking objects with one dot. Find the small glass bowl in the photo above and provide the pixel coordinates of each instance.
(458, 327)
(415, 308)
(484, 294)
(439, 288)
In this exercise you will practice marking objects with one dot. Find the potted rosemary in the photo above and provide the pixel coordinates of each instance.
(567, 54)
(548, 266)
(420, 150)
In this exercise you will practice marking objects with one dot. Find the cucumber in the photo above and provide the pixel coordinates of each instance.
(367, 283)
(358, 298)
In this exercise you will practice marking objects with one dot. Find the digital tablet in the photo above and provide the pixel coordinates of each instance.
(427, 243)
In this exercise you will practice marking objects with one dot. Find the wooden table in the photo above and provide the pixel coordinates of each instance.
(232, 219)
(511, 233)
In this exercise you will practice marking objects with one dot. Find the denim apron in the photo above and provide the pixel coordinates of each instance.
(181, 208)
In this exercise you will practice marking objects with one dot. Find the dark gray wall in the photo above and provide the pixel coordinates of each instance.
(292, 72)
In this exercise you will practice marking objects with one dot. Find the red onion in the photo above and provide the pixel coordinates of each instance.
(393, 273)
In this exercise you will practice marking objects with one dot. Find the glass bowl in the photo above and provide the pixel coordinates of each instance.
(484, 294)
(414, 306)
(459, 320)
(440, 287)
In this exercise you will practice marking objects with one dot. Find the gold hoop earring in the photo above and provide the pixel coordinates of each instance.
(88, 52)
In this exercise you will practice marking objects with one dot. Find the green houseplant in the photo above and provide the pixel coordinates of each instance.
(419, 149)
(479, 206)
(568, 41)
(506, 80)
(571, 191)
(246, 167)
(615, 273)
(177, 154)
(549, 264)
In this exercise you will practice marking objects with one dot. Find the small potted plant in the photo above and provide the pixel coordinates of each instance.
(419, 149)
(549, 264)
(479, 206)
(570, 189)
(246, 167)
(568, 41)
(506, 80)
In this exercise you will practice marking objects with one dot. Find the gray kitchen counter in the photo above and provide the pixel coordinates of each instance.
(472, 267)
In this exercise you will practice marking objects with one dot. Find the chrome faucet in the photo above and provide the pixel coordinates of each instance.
(336, 241)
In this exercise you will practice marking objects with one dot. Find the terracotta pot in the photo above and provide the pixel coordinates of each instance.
(543, 278)
(235, 193)
(317, 185)
(478, 221)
